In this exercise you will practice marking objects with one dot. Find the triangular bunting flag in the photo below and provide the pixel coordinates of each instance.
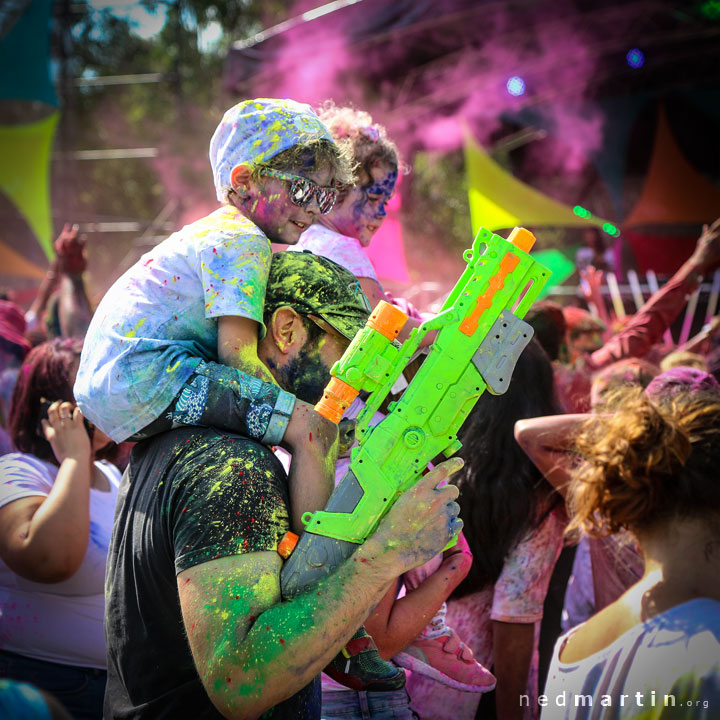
(14, 264)
(24, 173)
(498, 200)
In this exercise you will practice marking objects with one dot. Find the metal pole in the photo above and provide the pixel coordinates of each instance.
(652, 282)
(635, 289)
(713, 299)
(64, 191)
(688, 319)
(615, 296)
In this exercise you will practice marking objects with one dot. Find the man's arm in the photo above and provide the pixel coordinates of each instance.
(651, 321)
(252, 649)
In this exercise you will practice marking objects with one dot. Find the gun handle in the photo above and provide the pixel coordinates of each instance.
(314, 557)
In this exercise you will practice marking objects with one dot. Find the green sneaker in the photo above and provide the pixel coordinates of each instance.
(360, 667)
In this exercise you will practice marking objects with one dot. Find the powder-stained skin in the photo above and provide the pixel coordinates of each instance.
(198, 521)
(268, 205)
(307, 373)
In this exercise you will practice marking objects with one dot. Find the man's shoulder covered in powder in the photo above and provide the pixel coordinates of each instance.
(160, 317)
(203, 495)
(218, 494)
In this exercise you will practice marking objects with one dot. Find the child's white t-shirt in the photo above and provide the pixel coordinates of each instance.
(159, 319)
(342, 249)
(57, 622)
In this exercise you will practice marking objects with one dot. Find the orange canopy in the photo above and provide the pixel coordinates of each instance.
(674, 192)
(12, 263)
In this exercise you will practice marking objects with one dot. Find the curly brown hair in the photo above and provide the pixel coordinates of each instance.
(309, 156)
(649, 462)
(367, 140)
(312, 155)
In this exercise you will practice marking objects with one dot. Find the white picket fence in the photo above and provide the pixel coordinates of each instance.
(637, 292)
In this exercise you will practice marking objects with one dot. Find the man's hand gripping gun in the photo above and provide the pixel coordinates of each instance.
(480, 337)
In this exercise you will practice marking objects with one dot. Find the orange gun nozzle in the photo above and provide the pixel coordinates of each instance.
(387, 320)
(287, 544)
(336, 400)
(522, 238)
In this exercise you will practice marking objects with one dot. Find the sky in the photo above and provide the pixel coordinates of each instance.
(146, 23)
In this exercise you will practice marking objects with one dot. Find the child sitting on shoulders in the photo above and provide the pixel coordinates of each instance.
(174, 340)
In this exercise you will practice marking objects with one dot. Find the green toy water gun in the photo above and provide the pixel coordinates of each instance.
(480, 337)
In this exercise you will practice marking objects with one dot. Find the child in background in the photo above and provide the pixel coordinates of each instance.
(360, 210)
(174, 340)
(341, 235)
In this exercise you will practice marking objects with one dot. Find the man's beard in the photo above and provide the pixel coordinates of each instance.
(306, 375)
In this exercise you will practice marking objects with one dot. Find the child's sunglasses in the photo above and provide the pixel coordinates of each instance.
(302, 190)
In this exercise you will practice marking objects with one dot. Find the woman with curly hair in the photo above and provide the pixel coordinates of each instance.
(650, 468)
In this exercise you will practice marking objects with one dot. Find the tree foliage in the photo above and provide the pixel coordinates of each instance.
(176, 115)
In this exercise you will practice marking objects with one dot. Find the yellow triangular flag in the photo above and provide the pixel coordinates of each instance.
(24, 173)
(498, 200)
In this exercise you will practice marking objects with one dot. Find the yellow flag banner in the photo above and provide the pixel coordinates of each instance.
(498, 200)
(24, 173)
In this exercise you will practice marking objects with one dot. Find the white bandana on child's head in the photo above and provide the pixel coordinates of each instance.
(253, 131)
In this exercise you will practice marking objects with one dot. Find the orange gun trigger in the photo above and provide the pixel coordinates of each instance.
(287, 545)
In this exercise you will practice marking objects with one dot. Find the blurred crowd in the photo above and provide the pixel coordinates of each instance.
(588, 495)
